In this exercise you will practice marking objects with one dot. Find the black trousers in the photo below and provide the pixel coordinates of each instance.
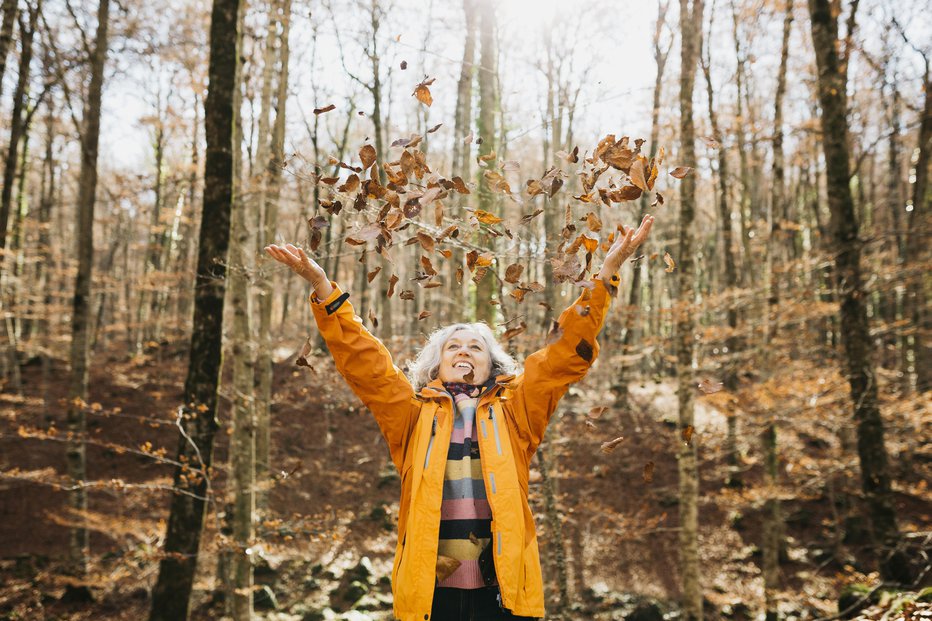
(469, 605)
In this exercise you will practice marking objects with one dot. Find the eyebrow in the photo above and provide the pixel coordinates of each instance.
(453, 338)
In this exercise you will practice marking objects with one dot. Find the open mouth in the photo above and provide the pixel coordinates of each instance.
(463, 365)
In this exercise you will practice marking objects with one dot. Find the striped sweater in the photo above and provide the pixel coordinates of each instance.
(465, 515)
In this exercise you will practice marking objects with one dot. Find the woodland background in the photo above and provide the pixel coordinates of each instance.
(754, 440)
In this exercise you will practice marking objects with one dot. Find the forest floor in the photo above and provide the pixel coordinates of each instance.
(326, 546)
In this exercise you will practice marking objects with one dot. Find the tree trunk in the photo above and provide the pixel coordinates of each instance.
(486, 285)
(554, 525)
(855, 336)
(264, 369)
(172, 593)
(77, 388)
(17, 122)
(6, 34)
(620, 388)
(690, 27)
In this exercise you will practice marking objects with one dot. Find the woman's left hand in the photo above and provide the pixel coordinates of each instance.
(627, 242)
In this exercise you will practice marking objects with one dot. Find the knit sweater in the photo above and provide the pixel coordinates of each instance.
(465, 515)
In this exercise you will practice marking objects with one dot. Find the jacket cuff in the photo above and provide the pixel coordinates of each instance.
(333, 302)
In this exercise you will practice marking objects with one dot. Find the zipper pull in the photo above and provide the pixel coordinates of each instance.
(433, 427)
(491, 413)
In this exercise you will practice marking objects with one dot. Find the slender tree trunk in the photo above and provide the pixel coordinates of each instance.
(917, 229)
(459, 292)
(690, 26)
(855, 335)
(555, 527)
(264, 377)
(80, 317)
(730, 368)
(172, 593)
(486, 286)
(17, 122)
(620, 389)
(6, 34)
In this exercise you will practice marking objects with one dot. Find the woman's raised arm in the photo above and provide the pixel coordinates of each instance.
(359, 356)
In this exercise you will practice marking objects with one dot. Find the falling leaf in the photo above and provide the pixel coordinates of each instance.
(671, 265)
(497, 182)
(365, 233)
(680, 171)
(373, 319)
(303, 358)
(367, 156)
(708, 386)
(511, 165)
(404, 65)
(513, 332)
(371, 275)
(513, 273)
(423, 93)
(528, 217)
(597, 411)
(658, 200)
(423, 315)
(446, 566)
(608, 447)
(712, 143)
(351, 185)
(434, 128)
(324, 109)
(487, 218)
(648, 473)
(467, 138)
(391, 285)
(406, 294)
(636, 174)
(430, 195)
(687, 433)
(593, 222)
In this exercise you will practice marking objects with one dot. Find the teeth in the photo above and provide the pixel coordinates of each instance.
(463, 365)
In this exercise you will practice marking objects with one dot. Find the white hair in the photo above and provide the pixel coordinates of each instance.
(426, 365)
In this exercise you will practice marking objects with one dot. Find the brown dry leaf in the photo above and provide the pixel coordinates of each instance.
(351, 185)
(597, 411)
(367, 156)
(687, 433)
(671, 264)
(608, 447)
(655, 168)
(648, 473)
(427, 242)
(446, 566)
(487, 218)
(513, 332)
(404, 65)
(528, 217)
(303, 358)
(365, 233)
(430, 195)
(589, 243)
(406, 294)
(371, 275)
(459, 185)
(513, 273)
(373, 319)
(710, 142)
(680, 171)
(423, 93)
(423, 315)
(627, 193)
(434, 128)
(658, 200)
(324, 109)
(329, 180)
(593, 222)
(636, 174)
(497, 182)
(391, 286)
(428, 266)
(459, 275)
(446, 253)
(708, 386)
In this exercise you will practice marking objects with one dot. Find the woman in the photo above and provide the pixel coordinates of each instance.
(462, 431)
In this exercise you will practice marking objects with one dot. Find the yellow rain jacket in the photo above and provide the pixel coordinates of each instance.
(511, 418)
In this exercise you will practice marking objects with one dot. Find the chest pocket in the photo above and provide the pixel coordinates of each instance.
(496, 448)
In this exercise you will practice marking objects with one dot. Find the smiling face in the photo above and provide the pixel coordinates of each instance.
(465, 358)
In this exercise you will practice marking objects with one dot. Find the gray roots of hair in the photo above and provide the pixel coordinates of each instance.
(426, 365)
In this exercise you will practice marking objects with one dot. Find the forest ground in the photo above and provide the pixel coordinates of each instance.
(335, 497)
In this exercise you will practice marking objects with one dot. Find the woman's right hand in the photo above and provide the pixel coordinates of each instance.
(304, 266)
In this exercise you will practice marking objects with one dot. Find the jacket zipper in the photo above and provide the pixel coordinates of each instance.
(498, 440)
(430, 443)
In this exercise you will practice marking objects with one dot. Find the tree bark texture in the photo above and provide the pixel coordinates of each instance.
(172, 593)
(486, 286)
(690, 27)
(80, 317)
(855, 335)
